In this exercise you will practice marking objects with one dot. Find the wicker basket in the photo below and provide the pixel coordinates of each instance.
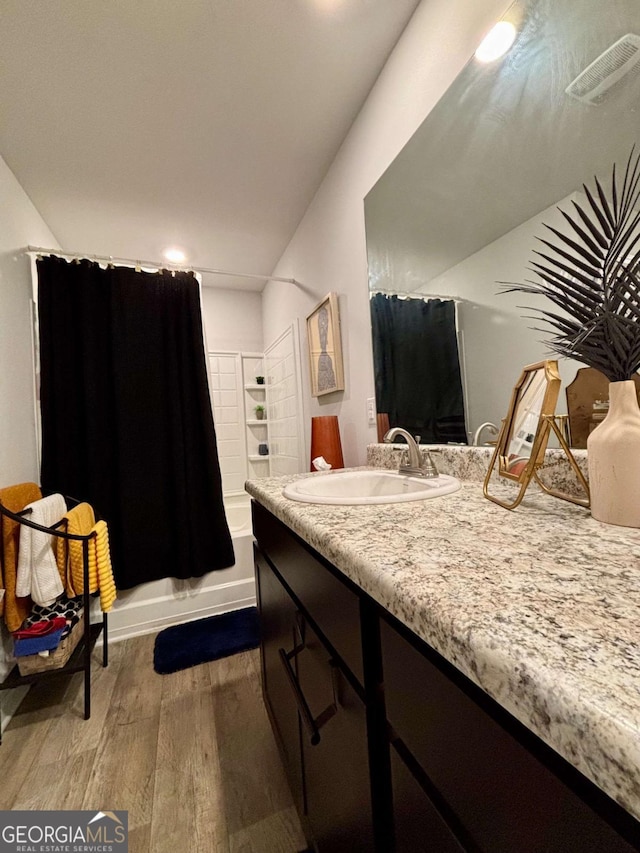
(31, 664)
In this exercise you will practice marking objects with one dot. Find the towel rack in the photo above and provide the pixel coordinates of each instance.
(80, 660)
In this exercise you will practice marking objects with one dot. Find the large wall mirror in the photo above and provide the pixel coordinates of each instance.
(458, 210)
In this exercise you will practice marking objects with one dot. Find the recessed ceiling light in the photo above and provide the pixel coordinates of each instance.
(174, 256)
(497, 42)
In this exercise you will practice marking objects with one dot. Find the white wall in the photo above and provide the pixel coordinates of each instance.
(328, 250)
(232, 319)
(20, 225)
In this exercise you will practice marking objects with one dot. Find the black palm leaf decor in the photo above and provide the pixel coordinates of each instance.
(592, 273)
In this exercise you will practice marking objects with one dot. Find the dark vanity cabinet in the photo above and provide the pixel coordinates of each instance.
(390, 748)
(278, 626)
(485, 784)
(336, 770)
(310, 639)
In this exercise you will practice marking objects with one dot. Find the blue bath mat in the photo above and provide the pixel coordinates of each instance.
(183, 646)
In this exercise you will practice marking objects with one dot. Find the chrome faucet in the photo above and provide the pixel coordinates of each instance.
(491, 428)
(416, 467)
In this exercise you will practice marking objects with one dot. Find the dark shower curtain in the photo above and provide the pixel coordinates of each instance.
(126, 416)
(417, 368)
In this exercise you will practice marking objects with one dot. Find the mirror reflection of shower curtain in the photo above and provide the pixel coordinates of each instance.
(417, 367)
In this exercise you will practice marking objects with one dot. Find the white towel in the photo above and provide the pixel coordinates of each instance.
(38, 574)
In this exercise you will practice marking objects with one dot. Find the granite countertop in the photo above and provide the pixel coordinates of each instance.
(540, 607)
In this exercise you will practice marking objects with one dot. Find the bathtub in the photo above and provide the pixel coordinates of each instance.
(238, 511)
(153, 606)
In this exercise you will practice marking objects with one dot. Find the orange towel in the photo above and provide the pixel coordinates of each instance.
(81, 521)
(15, 499)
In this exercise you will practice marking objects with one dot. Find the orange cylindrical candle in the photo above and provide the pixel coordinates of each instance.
(325, 440)
(383, 425)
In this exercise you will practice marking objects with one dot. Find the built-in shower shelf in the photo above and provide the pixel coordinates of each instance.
(256, 422)
(254, 458)
(254, 387)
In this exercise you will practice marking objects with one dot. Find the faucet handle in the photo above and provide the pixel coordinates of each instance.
(430, 468)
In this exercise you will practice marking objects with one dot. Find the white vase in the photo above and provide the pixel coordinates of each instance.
(614, 459)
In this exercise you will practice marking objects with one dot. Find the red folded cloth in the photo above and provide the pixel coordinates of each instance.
(41, 629)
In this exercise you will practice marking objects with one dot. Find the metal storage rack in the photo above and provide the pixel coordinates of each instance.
(80, 659)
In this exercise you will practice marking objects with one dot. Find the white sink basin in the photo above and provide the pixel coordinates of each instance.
(368, 487)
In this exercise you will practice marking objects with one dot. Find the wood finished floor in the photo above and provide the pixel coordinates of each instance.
(191, 756)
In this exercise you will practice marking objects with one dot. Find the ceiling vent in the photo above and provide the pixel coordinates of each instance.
(607, 70)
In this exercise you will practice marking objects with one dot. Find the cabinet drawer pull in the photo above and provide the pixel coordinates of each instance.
(312, 725)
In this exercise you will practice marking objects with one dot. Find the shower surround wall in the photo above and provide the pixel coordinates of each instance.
(285, 413)
(235, 394)
(225, 380)
(256, 429)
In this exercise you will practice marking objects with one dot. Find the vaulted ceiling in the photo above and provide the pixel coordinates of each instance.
(207, 124)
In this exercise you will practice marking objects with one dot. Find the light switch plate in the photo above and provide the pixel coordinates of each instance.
(371, 410)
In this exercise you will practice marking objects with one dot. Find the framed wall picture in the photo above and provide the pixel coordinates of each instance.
(325, 350)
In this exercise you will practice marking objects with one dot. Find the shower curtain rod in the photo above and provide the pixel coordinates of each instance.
(415, 294)
(109, 259)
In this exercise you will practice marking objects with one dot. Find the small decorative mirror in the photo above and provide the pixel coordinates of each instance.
(525, 431)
